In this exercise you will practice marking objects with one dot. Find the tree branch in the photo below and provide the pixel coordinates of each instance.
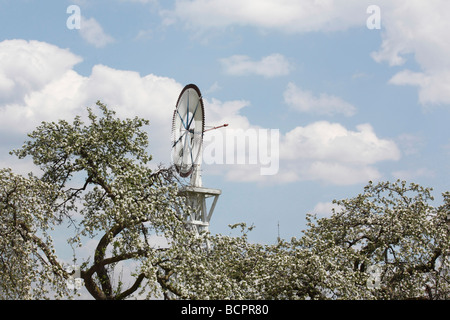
(132, 289)
(43, 246)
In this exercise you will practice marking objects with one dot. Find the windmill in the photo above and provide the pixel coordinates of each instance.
(188, 127)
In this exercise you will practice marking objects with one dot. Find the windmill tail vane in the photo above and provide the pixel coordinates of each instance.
(218, 127)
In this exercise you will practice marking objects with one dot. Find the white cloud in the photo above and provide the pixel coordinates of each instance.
(144, 34)
(331, 153)
(93, 33)
(141, 1)
(213, 88)
(60, 92)
(325, 141)
(45, 87)
(418, 29)
(413, 29)
(324, 104)
(289, 15)
(25, 67)
(319, 151)
(41, 84)
(220, 112)
(325, 209)
(434, 87)
(271, 66)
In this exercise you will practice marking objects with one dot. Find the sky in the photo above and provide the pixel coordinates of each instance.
(357, 90)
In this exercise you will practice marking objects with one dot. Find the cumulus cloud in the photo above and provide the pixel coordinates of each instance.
(321, 151)
(434, 87)
(418, 29)
(48, 89)
(39, 84)
(25, 67)
(414, 29)
(325, 141)
(325, 209)
(289, 16)
(331, 153)
(324, 104)
(92, 32)
(271, 66)
(141, 1)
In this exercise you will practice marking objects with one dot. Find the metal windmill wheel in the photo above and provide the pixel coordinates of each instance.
(188, 127)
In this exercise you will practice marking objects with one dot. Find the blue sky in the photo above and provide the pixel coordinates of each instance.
(352, 104)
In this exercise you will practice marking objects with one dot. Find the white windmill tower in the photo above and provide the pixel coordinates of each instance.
(188, 127)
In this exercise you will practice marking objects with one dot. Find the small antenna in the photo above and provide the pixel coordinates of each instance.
(278, 238)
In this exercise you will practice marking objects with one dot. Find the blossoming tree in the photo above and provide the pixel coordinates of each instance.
(387, 243)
